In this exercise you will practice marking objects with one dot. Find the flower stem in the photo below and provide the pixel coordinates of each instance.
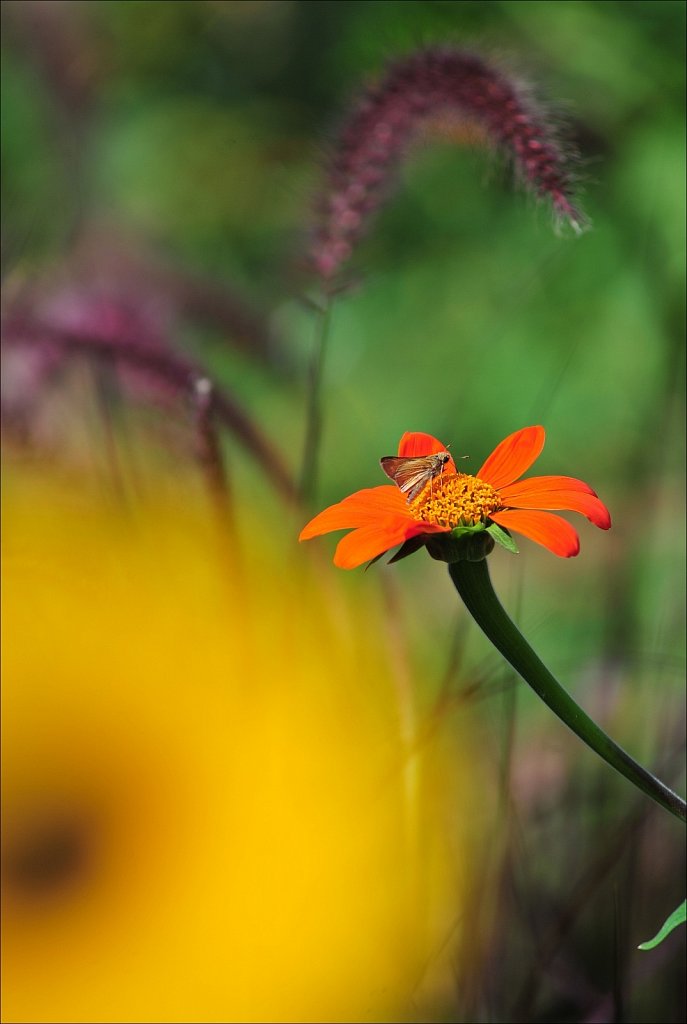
(472, 581)
(313, 426)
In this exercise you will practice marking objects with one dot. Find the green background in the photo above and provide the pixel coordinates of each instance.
(199, 129)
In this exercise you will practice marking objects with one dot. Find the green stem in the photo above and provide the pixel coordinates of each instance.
(472, 581)
(313, 426)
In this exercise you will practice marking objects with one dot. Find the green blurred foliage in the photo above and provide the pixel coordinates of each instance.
(204, 133)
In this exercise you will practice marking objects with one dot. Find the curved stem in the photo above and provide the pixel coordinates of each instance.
(472, 581)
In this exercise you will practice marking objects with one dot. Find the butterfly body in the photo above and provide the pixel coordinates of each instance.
(412, 474)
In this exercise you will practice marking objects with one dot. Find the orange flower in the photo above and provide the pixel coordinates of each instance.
(381, 517)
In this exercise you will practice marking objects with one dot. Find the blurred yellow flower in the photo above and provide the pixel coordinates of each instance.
(206, 809)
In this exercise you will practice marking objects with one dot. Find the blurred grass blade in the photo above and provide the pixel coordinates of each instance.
(677, 917)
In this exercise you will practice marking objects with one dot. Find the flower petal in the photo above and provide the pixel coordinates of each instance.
(545, 483)
(374, 539)
(570, 499)
(414, 444)
(358, 509)
(369, 541)
(550, 531)
(513, 457)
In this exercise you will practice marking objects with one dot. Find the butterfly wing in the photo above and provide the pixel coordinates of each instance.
(409, 474)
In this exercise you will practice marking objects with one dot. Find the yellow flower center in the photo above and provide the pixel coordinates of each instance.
(451, 501)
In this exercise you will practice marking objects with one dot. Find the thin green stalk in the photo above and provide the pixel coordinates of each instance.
(209, 452)
(472, 581)
(313, 426)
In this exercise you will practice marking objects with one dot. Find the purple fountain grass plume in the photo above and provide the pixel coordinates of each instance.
(377, 132)
(168, 371)
(149, 281)
(208, 303)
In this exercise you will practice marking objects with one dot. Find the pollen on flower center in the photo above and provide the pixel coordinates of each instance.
(456, 500)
